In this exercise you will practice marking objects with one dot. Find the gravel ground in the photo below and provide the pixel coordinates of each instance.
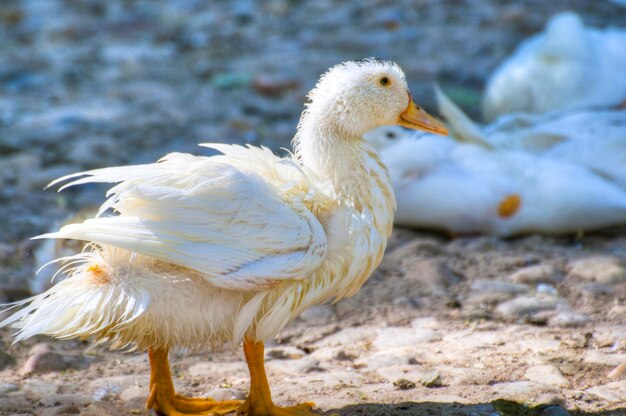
(450, 326)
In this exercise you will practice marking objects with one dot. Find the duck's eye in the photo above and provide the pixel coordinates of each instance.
(391, 135)
(384, 81)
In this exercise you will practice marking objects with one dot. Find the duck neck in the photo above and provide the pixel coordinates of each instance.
(344, 160)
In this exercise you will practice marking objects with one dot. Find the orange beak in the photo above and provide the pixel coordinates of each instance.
(414, 117)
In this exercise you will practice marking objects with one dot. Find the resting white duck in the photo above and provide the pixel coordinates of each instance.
(467, 189)
(567, 67)
(214, 250)
(594, 139)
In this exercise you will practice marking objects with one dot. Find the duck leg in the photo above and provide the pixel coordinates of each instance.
(164, 400)
(259, 401)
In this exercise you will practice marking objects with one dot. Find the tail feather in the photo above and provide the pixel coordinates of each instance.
(86, 304)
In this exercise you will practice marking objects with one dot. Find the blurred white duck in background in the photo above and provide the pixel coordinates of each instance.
(214, 250)
(465, 188)
(569, 66)
(595, 139)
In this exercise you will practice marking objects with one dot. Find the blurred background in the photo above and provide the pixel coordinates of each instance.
(87, 84)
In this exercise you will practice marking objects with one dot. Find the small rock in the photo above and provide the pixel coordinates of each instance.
(569, 319)
(404, 337)
(597, 289)
(390, 357)
(526, 306)
(614, 392)
(221, 394)
(601, 269)
(40, 389)
(546, 374)
(550, 399)
(59, 410)
(6, 388)
(431, 379)
(486, 285)
(284, 353)
(303, 365)
(105, 387)
(533, 275)
(404, 384)
(52, 361)
(415, 247)
(134, 392)
(519, 390)
(547, 289)
(597, 357)
(618, 373)
(435, 274)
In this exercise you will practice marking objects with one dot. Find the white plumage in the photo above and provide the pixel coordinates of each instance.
(523, 174)
(568, 66)
(208, 250)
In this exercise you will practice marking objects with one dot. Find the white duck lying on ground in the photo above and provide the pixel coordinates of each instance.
(595, 139)
(230, 248)
(465, 188)
(566, 67)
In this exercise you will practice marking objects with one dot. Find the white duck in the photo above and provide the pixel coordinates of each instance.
(595, 139)
(465, 188)
(208, 250)
(567, 67)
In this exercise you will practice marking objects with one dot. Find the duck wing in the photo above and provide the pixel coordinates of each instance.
(239, 219)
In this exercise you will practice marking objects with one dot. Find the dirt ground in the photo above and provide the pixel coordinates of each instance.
(426, 335)
(448, 326)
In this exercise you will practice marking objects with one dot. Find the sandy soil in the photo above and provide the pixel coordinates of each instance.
(417, 339)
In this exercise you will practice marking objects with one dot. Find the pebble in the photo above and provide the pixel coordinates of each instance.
(404, 337)
(404, 384)
(598, 357)
(387, 358)
(413, 373)
(434, 274)
(614, 392)
(526, 306)
(222, 393)
(540, 273)
(40, 389)
(134, 392)
(497, 286)
(431, 379)
(519, 390)
(569, 319)
(601, 269)
(48, 361)
(546, 374)
(303, 365)
(6, 388)
(550, 399)
(284, 353)
(105, 387)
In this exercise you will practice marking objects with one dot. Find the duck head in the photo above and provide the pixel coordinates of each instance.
(357, 96)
